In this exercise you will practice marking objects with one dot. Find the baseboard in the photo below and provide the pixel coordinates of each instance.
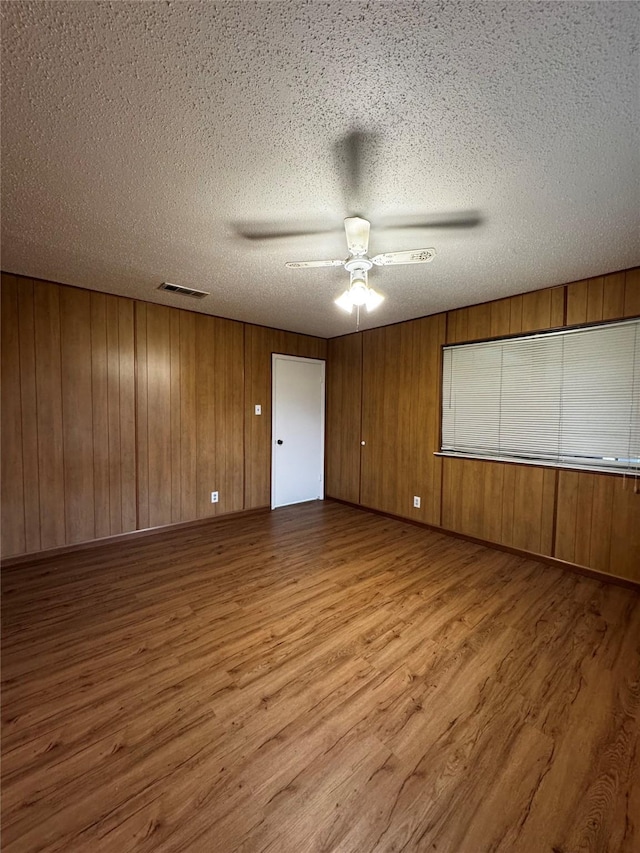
(519, 552)
(36, 556)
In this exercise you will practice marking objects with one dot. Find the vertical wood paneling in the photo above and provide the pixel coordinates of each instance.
(577, 297)
(624, 547)
(176, 409)
(400, 418)
(609, 297)
(500, 317)
(613, 296)
(219, 408)
(260, 343)
(13, 499)
(632, 293)
(500, 502)
(142, 408)
(127, 409)
(115, 432)
(230, 415)
(159, 403)
(542, 309)
(49, 400)
(599, 522)
(206, 404)
(344, 405)
(102, 447)
(29, 407)
(515, 315)
(188, 421)
(77, 413)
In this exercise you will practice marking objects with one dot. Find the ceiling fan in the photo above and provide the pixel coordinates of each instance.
(359, 263)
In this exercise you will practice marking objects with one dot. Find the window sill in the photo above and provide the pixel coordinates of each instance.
(543, 463)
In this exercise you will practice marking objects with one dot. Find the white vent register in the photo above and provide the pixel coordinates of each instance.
(184, 291)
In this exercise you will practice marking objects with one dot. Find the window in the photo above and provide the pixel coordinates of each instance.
(569, 398)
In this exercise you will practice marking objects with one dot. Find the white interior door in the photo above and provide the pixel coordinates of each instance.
(297, 453)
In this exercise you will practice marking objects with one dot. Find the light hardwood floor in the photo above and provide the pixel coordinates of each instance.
(317, 679)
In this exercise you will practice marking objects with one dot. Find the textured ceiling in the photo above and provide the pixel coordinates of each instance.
(142, 140)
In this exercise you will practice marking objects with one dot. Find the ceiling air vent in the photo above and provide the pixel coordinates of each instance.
(185, 291)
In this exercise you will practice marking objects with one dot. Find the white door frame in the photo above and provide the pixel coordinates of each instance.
(321, 361)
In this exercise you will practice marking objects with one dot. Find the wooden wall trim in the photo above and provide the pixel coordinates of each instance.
(519, 552)
(38, 556)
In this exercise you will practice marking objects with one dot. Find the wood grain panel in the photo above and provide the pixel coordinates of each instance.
(609, 297)
(613, 292)
(500, 317)
(529, 312)
(188, 417)
(219, 411)
(77, 413)
(344, 412)
(206, 422)
(29, 409)
(457, 325)
(599, 522)
(542, 309)
(260, 343)
(102, 438)
(13, 498)
(159, 405)
(229, 414)
(142, 420)
(175, 417)
(400, 418)
(500, 502)
(632, 293)
(127, 409)
(50, 427)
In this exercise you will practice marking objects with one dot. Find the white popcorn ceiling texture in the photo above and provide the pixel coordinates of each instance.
(141, 139)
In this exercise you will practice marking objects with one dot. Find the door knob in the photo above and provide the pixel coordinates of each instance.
(279, 441)
(363, 443)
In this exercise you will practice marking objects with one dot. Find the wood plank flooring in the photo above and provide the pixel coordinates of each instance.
(317, 679)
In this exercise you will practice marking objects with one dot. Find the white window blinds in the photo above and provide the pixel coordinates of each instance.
(569, 398)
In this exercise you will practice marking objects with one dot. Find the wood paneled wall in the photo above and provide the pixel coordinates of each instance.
(120, 415)
(68, 438)
(401, 418)
(589, 519)
(189, 415)
(344, 416)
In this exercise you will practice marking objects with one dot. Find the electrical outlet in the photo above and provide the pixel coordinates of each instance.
(214, 497)
(258, 409)
(416, 502)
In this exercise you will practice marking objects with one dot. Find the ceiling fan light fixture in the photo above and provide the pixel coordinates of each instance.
(373, 299)
(358, 293)
(344, 301)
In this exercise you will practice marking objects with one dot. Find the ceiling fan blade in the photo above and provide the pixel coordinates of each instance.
(463, 219)
(350, 154)
(275, 230)
(294, 265)
(357, 231)
(416, 256)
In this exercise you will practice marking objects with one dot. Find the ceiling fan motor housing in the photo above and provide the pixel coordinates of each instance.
(361, 264)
